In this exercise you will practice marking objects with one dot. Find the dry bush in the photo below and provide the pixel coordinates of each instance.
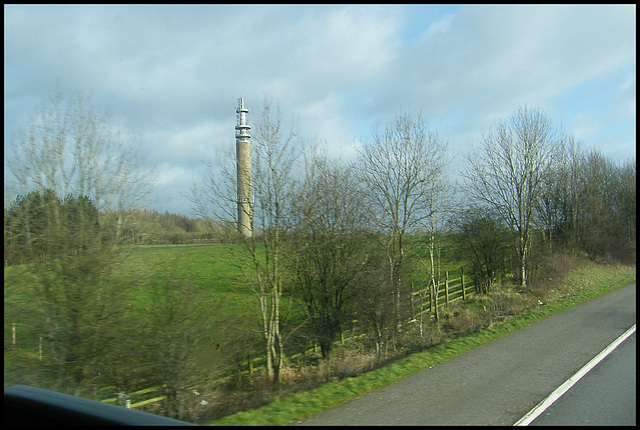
(504, 301)
(347, 363)
(562, 265)
(549, 286)
(199, 405)
(463, 320)
(342, 363)
(416, 340)
(229, 398)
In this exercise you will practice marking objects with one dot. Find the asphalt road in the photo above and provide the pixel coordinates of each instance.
(497, 383)
(604, 396)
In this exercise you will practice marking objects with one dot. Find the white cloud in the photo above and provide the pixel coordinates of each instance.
(172, 74)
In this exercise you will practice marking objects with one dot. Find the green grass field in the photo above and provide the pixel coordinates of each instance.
(215, 274)
(208, 268)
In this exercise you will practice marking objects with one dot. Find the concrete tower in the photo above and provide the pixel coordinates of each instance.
(243, 162)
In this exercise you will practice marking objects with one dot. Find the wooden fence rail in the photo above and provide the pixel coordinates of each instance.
(454, 289)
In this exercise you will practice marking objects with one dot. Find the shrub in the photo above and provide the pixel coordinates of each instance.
(505, 301)
(462, 320)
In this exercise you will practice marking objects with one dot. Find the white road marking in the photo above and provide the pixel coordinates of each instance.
(530, 416)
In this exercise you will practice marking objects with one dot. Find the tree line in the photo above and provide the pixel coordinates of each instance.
(333, 236)
(333, 242)
(25, 218)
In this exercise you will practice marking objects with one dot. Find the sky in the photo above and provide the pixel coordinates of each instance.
(171, 76)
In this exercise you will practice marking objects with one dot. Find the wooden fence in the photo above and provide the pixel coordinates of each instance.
(449, 290)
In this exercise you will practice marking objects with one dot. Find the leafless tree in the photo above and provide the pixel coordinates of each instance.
(606, 215)
(588, 203)
(626, 200)
(69, 147)
(559, 202)
(274, 154)
(401, 171)
(509, 172)
(274, 181)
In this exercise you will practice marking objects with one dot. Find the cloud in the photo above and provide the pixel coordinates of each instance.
(171, 75)
(627, 95)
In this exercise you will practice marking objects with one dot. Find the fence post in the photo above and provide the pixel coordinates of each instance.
(124, 400)
(464, 294)
(446, 287)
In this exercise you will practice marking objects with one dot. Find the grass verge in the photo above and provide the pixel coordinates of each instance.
(582, 285)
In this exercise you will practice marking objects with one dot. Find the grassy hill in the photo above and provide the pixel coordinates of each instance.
(215, 276)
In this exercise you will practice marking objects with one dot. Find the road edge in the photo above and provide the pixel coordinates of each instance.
(534, 413)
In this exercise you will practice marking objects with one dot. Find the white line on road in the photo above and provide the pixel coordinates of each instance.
(543, 405)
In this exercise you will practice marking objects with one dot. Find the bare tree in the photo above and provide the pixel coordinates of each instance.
(626, 200)
(401, 171)
(589, 202)
(559, 204)
(274, 155)
(509, 171)
(607, 206)
(274, 188)
(70, 147)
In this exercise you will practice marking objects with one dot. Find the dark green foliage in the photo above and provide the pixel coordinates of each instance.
(330, 273)
(29, 222)
(484, 242)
